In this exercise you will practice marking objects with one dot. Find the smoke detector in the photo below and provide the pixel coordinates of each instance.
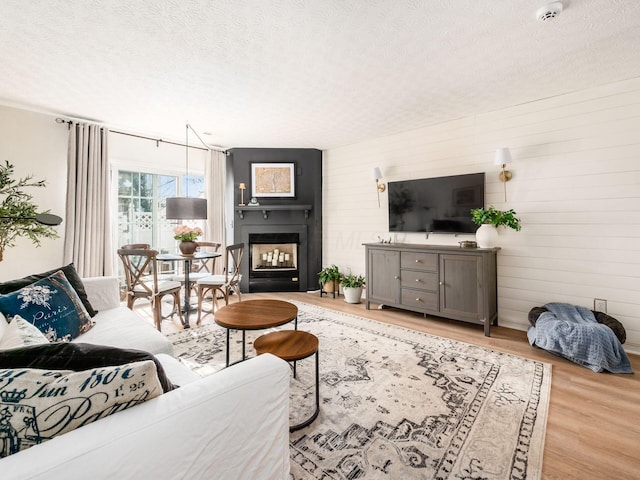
(549, 11)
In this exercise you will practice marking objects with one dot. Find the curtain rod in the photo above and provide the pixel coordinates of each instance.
(157, 140)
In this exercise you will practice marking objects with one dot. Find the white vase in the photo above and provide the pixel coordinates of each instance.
(487, 236)
(352, 294)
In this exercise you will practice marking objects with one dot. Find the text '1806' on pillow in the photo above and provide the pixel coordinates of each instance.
(69, 271)
(78, 357)
(36, 405)
(52, 305)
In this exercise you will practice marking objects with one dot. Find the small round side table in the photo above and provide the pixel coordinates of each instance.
(292, 345)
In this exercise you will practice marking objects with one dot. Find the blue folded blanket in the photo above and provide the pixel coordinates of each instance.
(573, 332)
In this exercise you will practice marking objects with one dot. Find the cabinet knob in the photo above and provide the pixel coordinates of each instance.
(418, 299)
(441, 283)
(417, 260)
(396, 277)
(418, 280)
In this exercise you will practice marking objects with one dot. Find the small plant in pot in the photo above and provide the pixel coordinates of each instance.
(489, 219)
(497, 218)
(352, 286)
(329, 278)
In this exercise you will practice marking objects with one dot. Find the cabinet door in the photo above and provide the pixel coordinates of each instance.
(383, 276)
(461, 286)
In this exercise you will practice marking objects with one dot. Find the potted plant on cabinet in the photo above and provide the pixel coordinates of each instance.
(352, 286)
(489, 219)
(329, 278)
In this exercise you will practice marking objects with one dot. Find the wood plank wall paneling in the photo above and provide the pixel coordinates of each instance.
(576, 187)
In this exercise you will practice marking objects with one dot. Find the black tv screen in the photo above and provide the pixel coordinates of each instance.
(437, 205)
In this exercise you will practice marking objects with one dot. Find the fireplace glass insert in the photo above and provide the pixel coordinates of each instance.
(273, 260)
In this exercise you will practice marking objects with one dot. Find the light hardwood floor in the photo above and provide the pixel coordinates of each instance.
(593, 427)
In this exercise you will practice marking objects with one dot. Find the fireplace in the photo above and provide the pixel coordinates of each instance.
(273, 262)
(299, 214)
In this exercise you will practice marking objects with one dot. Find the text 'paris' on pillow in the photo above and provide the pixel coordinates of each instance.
(52, 305)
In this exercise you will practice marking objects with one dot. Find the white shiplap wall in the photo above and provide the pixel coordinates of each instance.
(576, 187)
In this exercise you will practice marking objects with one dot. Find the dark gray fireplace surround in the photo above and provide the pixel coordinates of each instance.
(299, 218)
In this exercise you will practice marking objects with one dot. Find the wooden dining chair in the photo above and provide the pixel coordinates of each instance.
(205, 266)
(225, 284)
(200, 268)
(136, 246)
(141, 275)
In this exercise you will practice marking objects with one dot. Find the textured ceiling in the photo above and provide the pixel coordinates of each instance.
(303, 73)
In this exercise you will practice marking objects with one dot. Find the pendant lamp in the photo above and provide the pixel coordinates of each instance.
(187, 208)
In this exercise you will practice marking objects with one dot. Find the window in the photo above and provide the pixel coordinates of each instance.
(142, 203)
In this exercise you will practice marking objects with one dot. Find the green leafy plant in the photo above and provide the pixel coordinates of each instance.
(17, 210)
(498, 218)
(352, 281)
(328, 274)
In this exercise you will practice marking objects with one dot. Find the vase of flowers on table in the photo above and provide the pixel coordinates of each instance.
(187, 237)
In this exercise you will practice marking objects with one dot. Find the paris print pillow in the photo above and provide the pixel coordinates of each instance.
(52, 305)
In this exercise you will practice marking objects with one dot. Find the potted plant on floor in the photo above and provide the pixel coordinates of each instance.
(489, 219)
(352, 286)
(329, 278)
(18, 212)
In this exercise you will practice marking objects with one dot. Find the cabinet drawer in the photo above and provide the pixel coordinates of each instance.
(420, 299)
(419, 261)
(419, 280)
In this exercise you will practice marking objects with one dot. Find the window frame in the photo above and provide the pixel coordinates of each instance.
(119, 166)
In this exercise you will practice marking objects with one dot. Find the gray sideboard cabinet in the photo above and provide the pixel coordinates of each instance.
(446, 281)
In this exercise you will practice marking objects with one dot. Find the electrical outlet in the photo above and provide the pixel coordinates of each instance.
(600, 305)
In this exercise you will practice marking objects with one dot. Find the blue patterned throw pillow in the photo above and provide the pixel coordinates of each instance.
(52, 305)
(69, 272)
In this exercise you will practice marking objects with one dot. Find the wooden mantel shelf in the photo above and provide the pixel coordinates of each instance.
(265, 209)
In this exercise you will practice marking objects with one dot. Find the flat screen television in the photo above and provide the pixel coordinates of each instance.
(435, 205)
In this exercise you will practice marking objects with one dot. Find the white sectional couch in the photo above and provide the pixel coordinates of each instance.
(230, 425)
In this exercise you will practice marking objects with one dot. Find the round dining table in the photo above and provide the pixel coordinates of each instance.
(187, 308)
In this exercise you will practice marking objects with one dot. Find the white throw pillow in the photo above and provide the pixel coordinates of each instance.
(38, 404)
(3, 324)
(21, 333)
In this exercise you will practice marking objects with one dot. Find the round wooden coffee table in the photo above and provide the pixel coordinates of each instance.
(292, 345)
(255, 315)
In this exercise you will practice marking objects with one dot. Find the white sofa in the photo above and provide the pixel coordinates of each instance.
(230, 425)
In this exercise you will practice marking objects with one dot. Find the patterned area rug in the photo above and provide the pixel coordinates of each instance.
(399, 404)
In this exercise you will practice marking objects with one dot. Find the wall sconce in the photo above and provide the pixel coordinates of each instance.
(376, 175)
(503, 158)
(242, 188)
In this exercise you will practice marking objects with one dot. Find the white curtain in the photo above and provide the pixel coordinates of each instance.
(88, 241)
(215, 174)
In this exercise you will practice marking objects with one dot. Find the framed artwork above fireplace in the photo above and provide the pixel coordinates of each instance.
(273, 180)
